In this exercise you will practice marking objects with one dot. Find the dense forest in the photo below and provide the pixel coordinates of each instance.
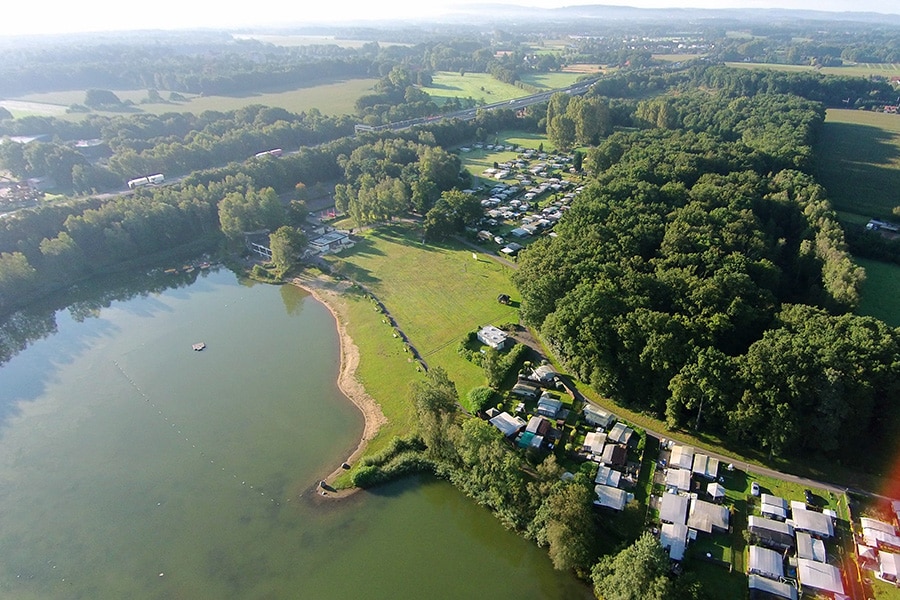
(700, 253)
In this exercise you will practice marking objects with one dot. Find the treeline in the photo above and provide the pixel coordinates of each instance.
(672, 278)
(172, 143)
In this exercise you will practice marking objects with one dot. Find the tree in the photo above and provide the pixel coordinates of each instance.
(565, 523)
(286, 244)
(100, 98)
(480, 398)
(636, 573)
(435, 401)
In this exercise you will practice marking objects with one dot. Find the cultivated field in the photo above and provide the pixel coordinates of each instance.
(852, 70)
(860, 161)
(331, 98)
(881, 291)
(478, 86)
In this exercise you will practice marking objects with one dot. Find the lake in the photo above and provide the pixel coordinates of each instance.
(134, 467)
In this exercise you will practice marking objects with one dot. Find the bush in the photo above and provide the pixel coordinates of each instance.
(396, 446)
(402, 465)
(480, 398)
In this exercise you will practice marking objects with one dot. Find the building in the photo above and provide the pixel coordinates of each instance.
(819, 576)
(528, 439)
(538, 426)
(682, 457)
(810, 548)
(620, 434)
(673, 537)
(548, 406)
(879, 534)
(594, 442)
(773, 507)
(766, 563)
(813, 522)
(333, 241)
(771, 533)
(716, 490)
(597, 416)
(888, 566)
(763, 589)
(610, 497)
(544, 374)
(614, 455)
(673, 508)
(507, 424)
(678, 479)
(523, 390)
(607, 476)
(706, 516)
(492, 336)
(704, 466)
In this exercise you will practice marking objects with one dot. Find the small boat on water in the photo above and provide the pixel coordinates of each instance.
(198, 346)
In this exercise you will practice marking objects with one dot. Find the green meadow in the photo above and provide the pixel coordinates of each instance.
(331, 97)
(859, 161)
(550, 81)
(881, 291)
(481, 87)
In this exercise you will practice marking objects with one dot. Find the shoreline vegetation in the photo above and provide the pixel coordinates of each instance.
(328, 294)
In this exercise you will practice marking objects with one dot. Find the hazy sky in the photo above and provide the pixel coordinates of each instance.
(55, 16)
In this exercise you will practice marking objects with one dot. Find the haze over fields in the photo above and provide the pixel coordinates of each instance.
(26, 18)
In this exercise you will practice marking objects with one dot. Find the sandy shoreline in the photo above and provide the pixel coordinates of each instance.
(328, 292)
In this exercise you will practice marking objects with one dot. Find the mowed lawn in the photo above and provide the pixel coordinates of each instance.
(436, 294)
(330, 97)
(481, 87)
(881, 291)
(859, 161)
(551, 81)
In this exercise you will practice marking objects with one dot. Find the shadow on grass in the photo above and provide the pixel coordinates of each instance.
(280, 89)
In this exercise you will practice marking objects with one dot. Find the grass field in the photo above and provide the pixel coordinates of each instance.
(331, 98)
(551, 81)
(859, 161)
(881, 291)
(478, 86)
(852, 70)
(436, 294)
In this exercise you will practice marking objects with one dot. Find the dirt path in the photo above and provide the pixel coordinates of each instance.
(328, 293)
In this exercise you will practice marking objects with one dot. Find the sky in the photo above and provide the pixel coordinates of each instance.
(65, 16)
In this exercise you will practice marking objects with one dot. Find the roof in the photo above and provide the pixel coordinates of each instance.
(889, 564)
(549, 405)
(775, 588)
(716, 490)
(704, 516)
(594, 442)
(820, 576)
(673, 508)
(678, 479)
(544, 372)
(682, 457)
(879, 538)
(773, 500)
(765, 562)
(610, 497)
(613, 454)
(705, 466)
(507, 424)
(620, 433)
(771, 530)
(538, 425)
(772, 510)
(813, 522)
(607, 476)
(523, 389)
(597, 416)
(492, 336)
(674, 537)
(877, 525)
(810, 548)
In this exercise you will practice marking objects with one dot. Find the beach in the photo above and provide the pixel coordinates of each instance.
(328, 292)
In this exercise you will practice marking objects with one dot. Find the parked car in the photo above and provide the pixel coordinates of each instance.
(809, 497)
(754, 488)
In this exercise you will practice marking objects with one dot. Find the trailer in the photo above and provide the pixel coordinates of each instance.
(154, 179)
(276, 152)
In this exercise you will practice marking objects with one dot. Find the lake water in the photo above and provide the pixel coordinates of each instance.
(133, 467)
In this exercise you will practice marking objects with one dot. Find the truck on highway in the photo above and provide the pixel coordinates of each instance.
(154, 179)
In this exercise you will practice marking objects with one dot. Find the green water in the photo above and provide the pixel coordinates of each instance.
(133, 467)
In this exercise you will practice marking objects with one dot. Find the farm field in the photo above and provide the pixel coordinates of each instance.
(437, 294)
(481, 87)
(881, 291)
(859, 162)
(332, 98)
(854, 70)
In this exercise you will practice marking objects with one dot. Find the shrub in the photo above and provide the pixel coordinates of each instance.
(480, 398)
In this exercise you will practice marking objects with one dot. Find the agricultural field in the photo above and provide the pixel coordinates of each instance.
(331, 98)
(481, 87)
(859, 161)
(437, 294)
(881, 291)
(887, 70)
